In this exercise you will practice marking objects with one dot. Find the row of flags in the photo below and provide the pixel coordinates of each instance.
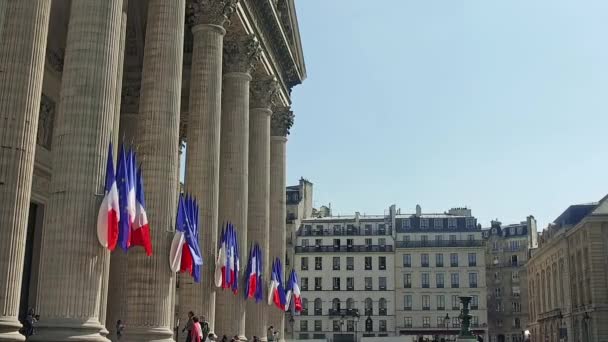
(185, 254)
(227, 266)
(253, 274)
(122, 217)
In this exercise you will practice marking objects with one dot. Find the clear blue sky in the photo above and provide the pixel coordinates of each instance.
(496, 105)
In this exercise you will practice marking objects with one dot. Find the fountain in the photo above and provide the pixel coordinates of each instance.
(465, 334)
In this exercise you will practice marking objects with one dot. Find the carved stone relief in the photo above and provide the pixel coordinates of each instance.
(45, 122)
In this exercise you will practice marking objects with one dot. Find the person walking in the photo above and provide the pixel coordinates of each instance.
(204, 327)
(188, 327)
(197, 332)
(119, 329)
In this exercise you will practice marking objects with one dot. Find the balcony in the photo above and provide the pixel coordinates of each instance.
(440, 286)
(355, 248)
(454, 264)
(369, 312)
(350, 267)
(426, 308)
(350, 288)
(455, 286)
(407, 308)
(318, 312)
(318, 288)
(440, 243)
(440, 308)
(425, 286)
(382, 312)
(348, 231)
(343, 312)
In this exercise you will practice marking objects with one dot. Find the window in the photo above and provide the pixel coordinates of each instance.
(307, 228)
(474, 302)
(369, 325)
(471, 237)
(452, 239)
(454, 259)
(439, 280)
(407, 280)
(424, 240)
(368, 263)
(424, 260)
(406, 238)
(439, 260)
(470, 222)
(318, 263)
(424, 223)
(515, 276)
(498, 306)
(336, 325)
(439, 240)
(451, 223)
(495, 245)
(514, 260)
(440, 322)
(474, 321)
(336, 243)
(407, 302)
(426, 302)
(382, 325)
(455, 280)
(349, 243)
(369, 307)
(318, 306)
(318, 243)
(455, 302)
(515, 291)
(516, 307)
(350, 283)
(305, 242)
(368, 243)
(382, 242)
(514, 245)
(516, 322)
(407, 322)
(350, 304)
(336, 264)
(350, 263)
(406, 223)
(472, 259)
(407, 260)
(337, 230)
(318, 284)
(304, 307)
(318, 325)
(304, 283)
(304, 263)
(382, 283)
(350, 325)
(472, 280)
(425, 280)
(381, 229)
(382, 263)
(438, 223)
(455, 322)
(497, 292)
(336, 283)
(368, 229)
(303, 325)
(440, 302)
(382, 307)
(426, 322)
(368, 283)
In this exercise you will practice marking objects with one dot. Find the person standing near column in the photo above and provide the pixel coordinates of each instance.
(23, 34)
(240, 54)
(69, 302)
(281, 122)
(206, 19)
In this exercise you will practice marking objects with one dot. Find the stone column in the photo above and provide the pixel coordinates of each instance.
(206, 18)
(282, 119)
(72, 260)
(22, 50)
(240, 52)
(261, 92)
(150, 293)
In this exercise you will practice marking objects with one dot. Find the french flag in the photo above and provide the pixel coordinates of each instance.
(126, 190)
(109, 211)
(140, 234)
(293, 293)
(227, 265)
(276, 293)
(185, 255)
(253, 279)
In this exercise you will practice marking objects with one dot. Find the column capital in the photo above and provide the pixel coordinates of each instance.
(262, 90)
(281, 121)
(240, 52)
(210, 12)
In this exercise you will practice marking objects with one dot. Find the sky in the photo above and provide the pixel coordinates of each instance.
(500, 106)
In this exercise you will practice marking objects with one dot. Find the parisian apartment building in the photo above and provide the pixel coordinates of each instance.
(507, 251)
(439, 257)
(346, 268)
(568, 277)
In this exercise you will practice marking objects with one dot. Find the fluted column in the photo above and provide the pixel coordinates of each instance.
(240, 52)
(282, 119)
(261, 92)
(150, 292)
(206, 19)
(22, 49)
(72, 260)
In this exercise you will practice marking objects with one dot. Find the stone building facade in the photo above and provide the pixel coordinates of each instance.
(567, 278)
(507, 250)
(438, 258)
(213, 75)
(346, 269)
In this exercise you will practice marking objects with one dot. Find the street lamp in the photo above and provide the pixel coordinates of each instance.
(446, 319)
(356, 317)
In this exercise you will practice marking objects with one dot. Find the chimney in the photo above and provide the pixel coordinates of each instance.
(418, 210)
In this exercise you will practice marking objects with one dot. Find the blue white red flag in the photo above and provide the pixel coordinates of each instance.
(293, 298)
(276, 293)
(253, 274)
(185, 254)
(227, 265)
(127, 215)
(109, 211)
(140, 234)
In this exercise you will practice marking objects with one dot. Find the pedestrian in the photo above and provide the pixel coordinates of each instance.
(235, 339)
(188, 327)
(270, 333)
(28, 324)
(197, 332)
(224, 338)
(204, 327)
(212, 337)
(119, 329)
(256, 339)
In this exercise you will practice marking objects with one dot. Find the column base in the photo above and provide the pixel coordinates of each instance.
(68, 330)
(9, 329)
(156, 334)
